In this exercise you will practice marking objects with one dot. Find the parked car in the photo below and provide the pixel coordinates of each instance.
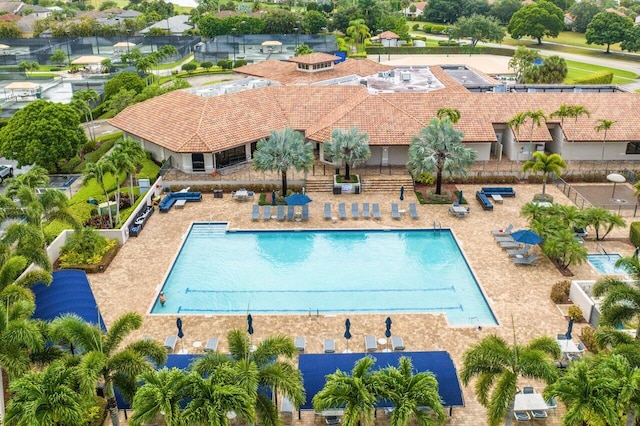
(580, 232)
(5, 172)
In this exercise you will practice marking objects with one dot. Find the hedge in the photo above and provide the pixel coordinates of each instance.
(440, 50)
(601, 77)
(634, 233)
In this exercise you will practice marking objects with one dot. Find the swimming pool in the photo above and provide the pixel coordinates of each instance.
(323, 272)
(605, 264)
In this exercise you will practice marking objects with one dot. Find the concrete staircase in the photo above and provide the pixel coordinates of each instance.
(324, 184)
(369, 183)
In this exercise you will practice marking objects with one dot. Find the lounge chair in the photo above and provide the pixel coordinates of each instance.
(376, 211)
(519, 252)
(255, 212)
(355, 214)
(342, 211)
(510, 245)
(266, 212)
(525, 260)
(291, 212)
(332, 420)
(521, 416)
(329, 346)
(505, 239)
(365, 211)
(561, 337)
(170, 342)
(505, 231)
(552, 404)
(395, 213)
(327, 211)
(370, 344)
(305, 212)
(212, 345)
(413, 212)
(539, 414)
(300, 343)
(396, 343)
(280, 214)
(528, 389)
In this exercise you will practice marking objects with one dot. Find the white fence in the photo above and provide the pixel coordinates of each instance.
(580, 295)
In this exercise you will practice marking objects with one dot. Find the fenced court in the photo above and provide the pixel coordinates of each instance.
(623, 201)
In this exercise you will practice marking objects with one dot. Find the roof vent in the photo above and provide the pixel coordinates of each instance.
(405, 76)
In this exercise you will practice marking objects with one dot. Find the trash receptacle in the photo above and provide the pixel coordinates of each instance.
(217, 193)
(337, 190)
(357, 189)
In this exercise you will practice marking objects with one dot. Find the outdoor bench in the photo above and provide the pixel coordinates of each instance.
(169, 200)
(484, 200)
(505, 191)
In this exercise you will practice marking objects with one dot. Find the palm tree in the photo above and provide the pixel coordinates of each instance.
(349, 146)
(552, 164)
(450, 113)
(56, 396)
(358, 31)
(356, 393)
(36, 177)
(116, 366)
(83, 100)
(497, 367)
(621, 299)
(279, 375)
(439, 147)
(604, 124)
(410, 393)
(536, 117)
(599, 217)
(99, 171)
(515, 124)
(161, 393)
(134, 151)
(283, 149)
(570, 111)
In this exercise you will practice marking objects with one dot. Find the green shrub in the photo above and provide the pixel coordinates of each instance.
(188, 67)
(448, 43)
(560, 291)
(634, 233)
(149, 170)
(575, 312)
(225, 64)
(240, 63)
(85, 247)
(602, 77)
(426, 178)
(588, 337)
(105, 146)
(415, 27)
(427, 28)
(437, 29)
(420, 38)
(206, 65)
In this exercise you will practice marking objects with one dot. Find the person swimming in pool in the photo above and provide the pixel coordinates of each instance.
(163, 298)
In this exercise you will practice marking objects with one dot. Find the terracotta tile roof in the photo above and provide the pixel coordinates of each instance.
(388, 34)
(9, 17)
(287, 74)
(314, 58)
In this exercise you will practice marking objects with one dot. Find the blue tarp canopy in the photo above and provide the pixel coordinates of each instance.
(315, 367)
(68, 293)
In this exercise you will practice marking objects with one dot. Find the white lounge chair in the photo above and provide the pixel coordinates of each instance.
(505, 231)
(370, 343)
(413, 212)
(396, 343)
(255, 212)
(170, 342)
(395, 212)
(300, 343)
(342, 211)
(525, 260)
(212, 345)
(505, 239)
(354, 211)
(366, 214)
(519, 252)
(327, 211)
(329, 346)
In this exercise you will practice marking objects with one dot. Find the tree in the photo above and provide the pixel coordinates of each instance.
(523, 63)
(28, 66)
(279, 21)
(552, 71)
(355, 392)
(497, 367)
(583, 12)
(99, 171)
(122, 164)
(371, 11)
(552, 164)
(350, 147)
(503, 10)
(84, 100)
(439, 148)
(136, 154)
(161, 393)
(59, 395)
(570, 111)
(128, 80)
(604, 125)
(313, 22)
(478, 28)
(410, 393)
(536, 117)
(59, 57)
(451, 113)
(560, 244)
(607, 28)
(42, 133)
(106, 65)
(283, 149)
(358, 31)
(114, 367)
(603, 221)
(537, 20)
(118, 102)
(303, 49)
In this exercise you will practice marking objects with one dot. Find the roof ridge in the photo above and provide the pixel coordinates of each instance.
(337, 113)
(387, 99)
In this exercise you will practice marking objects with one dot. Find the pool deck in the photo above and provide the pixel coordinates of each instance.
(517, 294)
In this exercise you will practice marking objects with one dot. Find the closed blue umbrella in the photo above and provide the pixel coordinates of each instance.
(402, 193)
(298, 200)
(249, 324)
(460, 197)
(273, 197)
(527, 237)
(347, 332)
(387, 332)
(569, 329)
(180, 332)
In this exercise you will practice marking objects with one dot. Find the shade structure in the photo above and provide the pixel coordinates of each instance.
(616, 179)
(569, 329)
(273, 197)
(3, 46)
(460, 197)
(271, 43)
(347, 331)
(88, 60)
(249, 324)
(124, 44)
(388, 323)
(527, 237)
(402, 193)
(297, 200)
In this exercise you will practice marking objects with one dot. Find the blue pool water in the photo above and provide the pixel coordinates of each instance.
(326, 272)
(605, 264)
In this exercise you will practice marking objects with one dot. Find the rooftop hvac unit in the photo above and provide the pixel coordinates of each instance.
(531, 90)
(392, 73)
(405, 76)
(381, 74)
(499, 89)
(577, 90)
(364, 83)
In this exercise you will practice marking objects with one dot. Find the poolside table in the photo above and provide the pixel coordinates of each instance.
(529, 402)
(180, 203)
(568, 347)
(497, 198)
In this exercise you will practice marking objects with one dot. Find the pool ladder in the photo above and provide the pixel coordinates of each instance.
(437, 226)
(604, 251)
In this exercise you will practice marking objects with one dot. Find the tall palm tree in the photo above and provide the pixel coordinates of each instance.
(439, 148)
(116, 366)
(515, 124)
(283, 149)
(451, 113)
(356, 392)
(36, 177)
(122, 164)
(161, 393)
(349, 146)
(410, 393)
(604, 125)
(57, 396)
(552, 164)
(603, 221)
(570, 111)
(278, 375)
(99, 172)
(537, 117)
(497, 367)
(83, 99)
(358, 31)
(134, 151)
(620, 299)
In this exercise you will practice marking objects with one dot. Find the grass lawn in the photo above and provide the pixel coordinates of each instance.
(581, 69)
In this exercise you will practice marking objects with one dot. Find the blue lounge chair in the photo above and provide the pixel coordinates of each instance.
(355, 214)
(413, 212)
(370, 344)
(170, 342)
(525, 260)
(365, 211)
(376, 211)
(395, 213)
(329, 346)
(291, 212)
(327, 211)
(539, 414)
(212, 345)
(521, 416)
(280, 214)
(255, 212)
(305, 212)
(342, 211)
(266, 212)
